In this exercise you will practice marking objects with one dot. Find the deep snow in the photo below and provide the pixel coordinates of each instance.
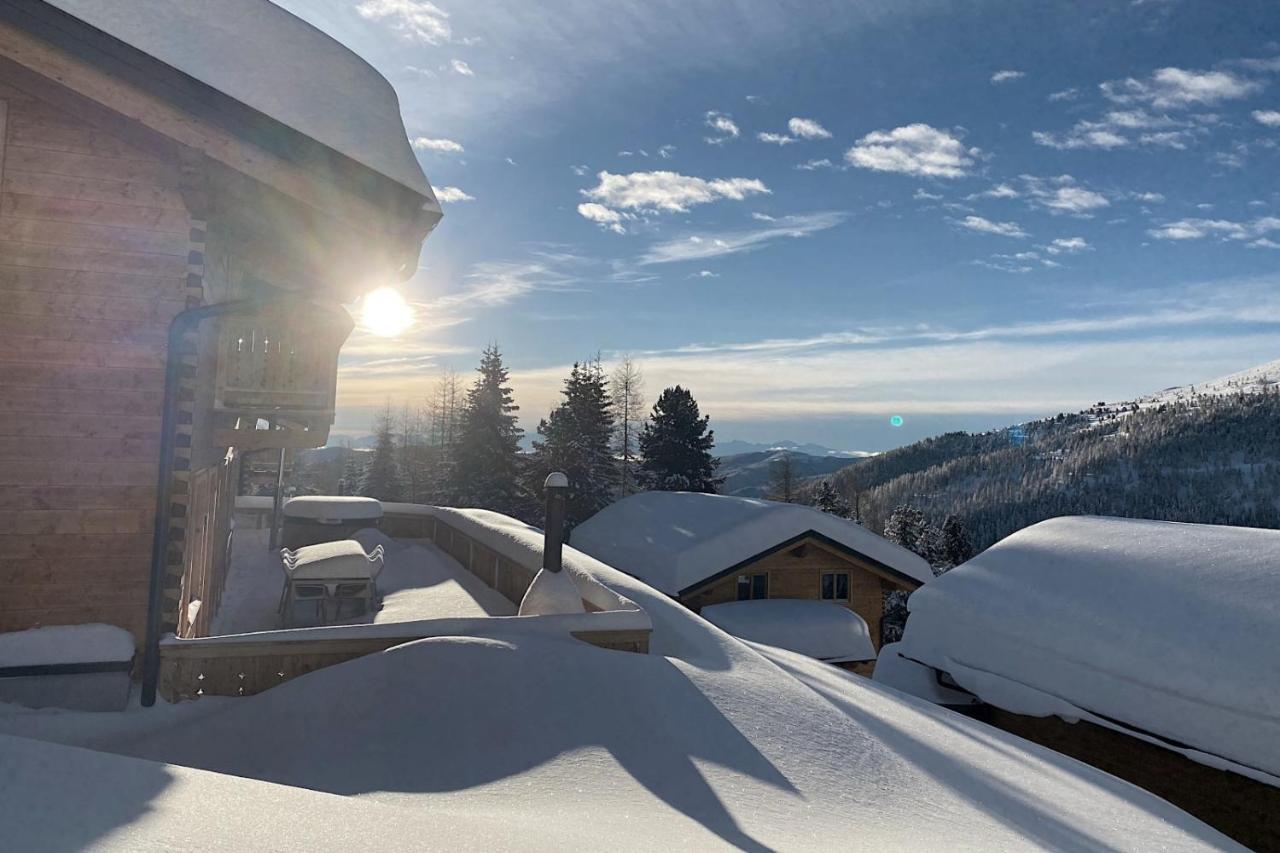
(819, 629)
(673, 540)
(90, 643)
(1165, 627)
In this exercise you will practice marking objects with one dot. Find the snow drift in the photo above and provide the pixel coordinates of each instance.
(1168, 628)
(820, 629)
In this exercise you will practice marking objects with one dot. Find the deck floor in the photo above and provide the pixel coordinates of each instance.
(418, 581)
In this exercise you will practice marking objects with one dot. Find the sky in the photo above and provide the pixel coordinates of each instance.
(820, 215)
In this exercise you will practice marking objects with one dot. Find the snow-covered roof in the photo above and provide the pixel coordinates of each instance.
(820, 629)
(1171, 629)
(270, 60)
(676, 540)
(707, 743)
(57, 644)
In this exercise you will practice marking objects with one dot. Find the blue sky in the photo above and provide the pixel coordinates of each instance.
(819, 215)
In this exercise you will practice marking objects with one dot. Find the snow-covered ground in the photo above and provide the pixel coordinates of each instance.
(1263, 377)
(547, 742)
(1171, 629)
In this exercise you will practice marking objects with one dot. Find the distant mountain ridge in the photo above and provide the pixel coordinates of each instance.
(748, 475)
(1207, 453)
(736, 448)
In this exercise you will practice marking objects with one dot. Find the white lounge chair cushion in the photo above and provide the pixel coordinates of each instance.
(345, 559)
(332, 509)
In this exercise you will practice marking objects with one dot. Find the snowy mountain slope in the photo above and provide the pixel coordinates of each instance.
(748, 474)
(1255, 380)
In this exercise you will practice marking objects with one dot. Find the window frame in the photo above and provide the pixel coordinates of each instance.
(835, 586)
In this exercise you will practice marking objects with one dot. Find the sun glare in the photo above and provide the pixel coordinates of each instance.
(385, 312)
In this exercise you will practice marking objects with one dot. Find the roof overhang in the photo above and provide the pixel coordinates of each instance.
(884, 570)
(95, 67)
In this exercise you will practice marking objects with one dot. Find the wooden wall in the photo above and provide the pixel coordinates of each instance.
(797, 573)
(94, 239)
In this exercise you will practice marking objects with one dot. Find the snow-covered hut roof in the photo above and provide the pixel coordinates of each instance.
(677, 540)
(1168, 629)
(267, 59)
(820, 629)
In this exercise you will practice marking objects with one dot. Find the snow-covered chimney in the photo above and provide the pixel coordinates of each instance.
(553, 590)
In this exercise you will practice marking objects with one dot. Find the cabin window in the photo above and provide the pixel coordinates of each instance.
(753, 586)
(835, 586)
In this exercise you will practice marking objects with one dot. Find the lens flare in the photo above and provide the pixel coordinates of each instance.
(385, 312)
(896, 420)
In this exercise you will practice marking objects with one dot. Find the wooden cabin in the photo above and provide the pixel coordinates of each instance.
(711, 549)
(159, 156)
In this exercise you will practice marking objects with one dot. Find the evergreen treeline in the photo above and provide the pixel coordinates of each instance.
(1206, 458)
(463, 447)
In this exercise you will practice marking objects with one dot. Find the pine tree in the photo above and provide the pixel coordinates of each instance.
(576, 439)
(352, 472)
(382, 474)
(675, 445)
(956, 543)
(831, 501)
(782, 478)
(905, 527)
(487, 468)
(627, 391)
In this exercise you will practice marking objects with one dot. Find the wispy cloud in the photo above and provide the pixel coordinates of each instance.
(598, 213)
(914, 149)
(461, 67)
(668, 192)
(1178, 87)
(815, 165)
(1253, 233)
(423, 143)
(986, 226)
(1007, 76)
(1270, 118)
(1067, 245)
(701, 246)
(724, 126)
(452, 195)
(416, 20)
(1063, 194)
(807, 128)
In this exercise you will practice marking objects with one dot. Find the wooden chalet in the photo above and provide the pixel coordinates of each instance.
(711, 549)
(189, 192)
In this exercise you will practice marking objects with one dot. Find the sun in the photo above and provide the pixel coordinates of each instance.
(385, 312)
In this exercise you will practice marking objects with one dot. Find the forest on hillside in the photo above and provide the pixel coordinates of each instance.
(1204, 458)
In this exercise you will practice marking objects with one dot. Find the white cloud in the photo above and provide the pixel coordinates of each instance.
(1065, 95)
(668, 191)
(914, 149)
(666, 152)
(449, 195)
(814, 165)
(1121, 128)
(580, 171)
(714, 245)
(921, 195)
(998, 191)
(460, 67)
(602, 215)
(723, 125)
(423, 143)
(416, 20)
(807, 128)
(1264, 243)
(1271, 118)
(1063, 195)
(706, 274)
(776, 138)
(986, 226)
(1175, 88)
(1067, 245)
(1007, 76)
(1196, 229)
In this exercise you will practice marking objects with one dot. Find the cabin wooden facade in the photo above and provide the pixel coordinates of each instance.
(810, 566)
(132, 189)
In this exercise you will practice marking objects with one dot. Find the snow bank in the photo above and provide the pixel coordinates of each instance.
(916, 679)
(59, 644)
(819, 629)
(332, 508)
(1168, 628)
(63, 798)
(674, 540)
(639, 752)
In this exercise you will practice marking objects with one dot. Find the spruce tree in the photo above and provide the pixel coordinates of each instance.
(352, 472)
(576, 439)
(956, 543)
(382, 474)
(487, 461)
(829, 500)
(905, 527)
(676, 446)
